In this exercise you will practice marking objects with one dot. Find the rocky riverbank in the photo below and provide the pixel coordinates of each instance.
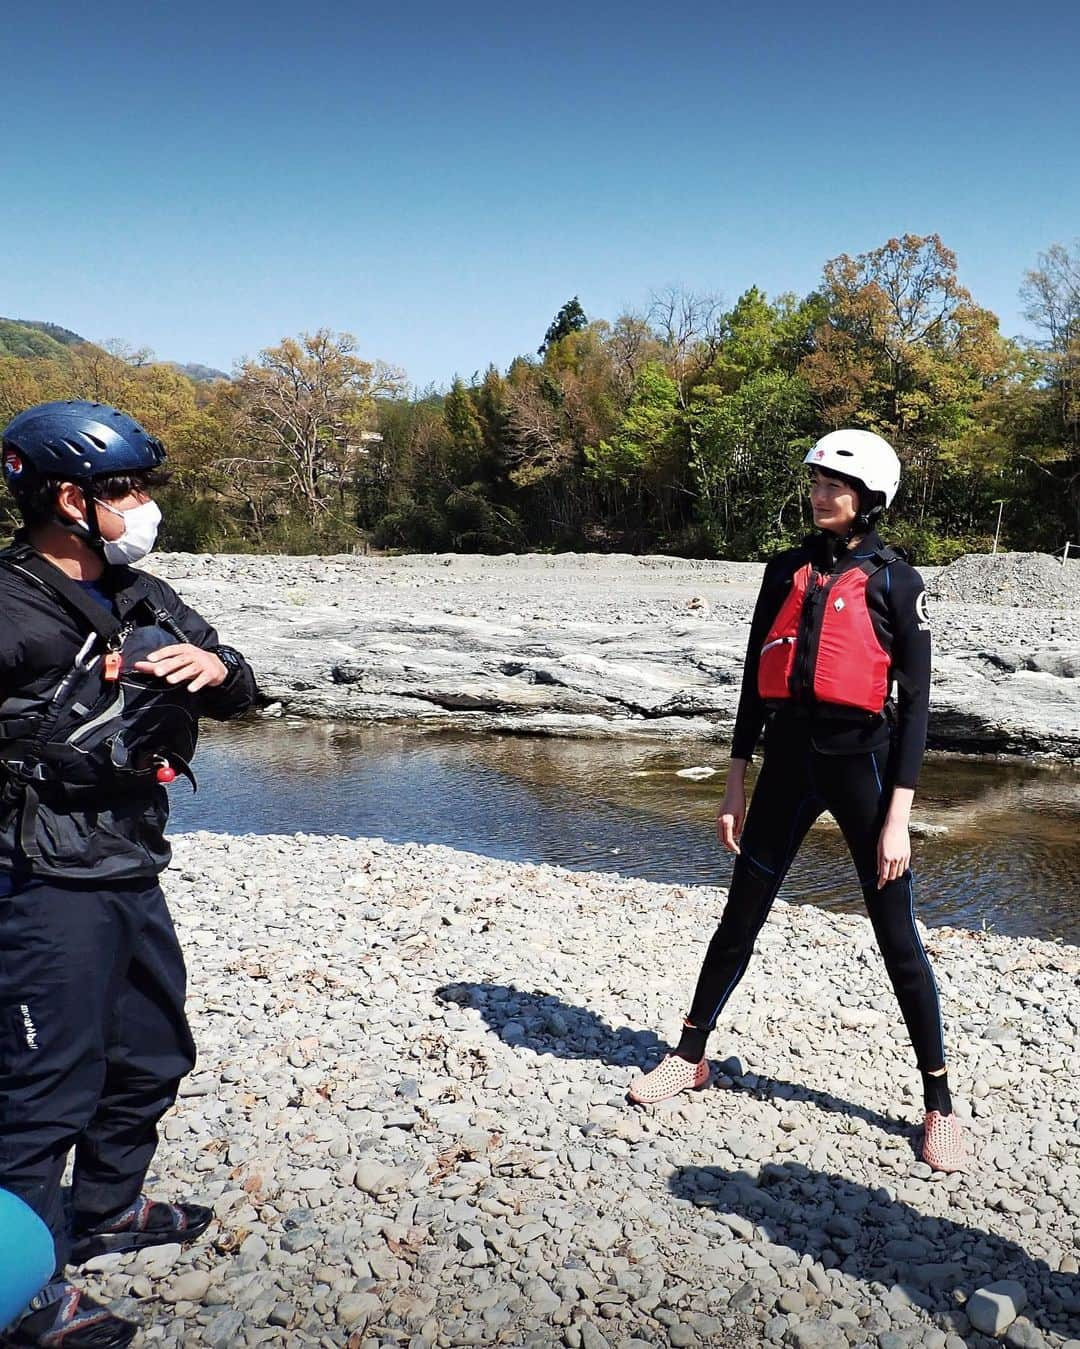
(409, 1116)
(609, 646)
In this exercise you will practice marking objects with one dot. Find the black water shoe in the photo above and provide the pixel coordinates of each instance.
(64, 1317)
(145, 1223)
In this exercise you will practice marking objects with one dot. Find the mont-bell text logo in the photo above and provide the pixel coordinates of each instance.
(29, 1027)
(13, 464)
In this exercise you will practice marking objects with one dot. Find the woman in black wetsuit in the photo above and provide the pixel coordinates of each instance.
(839, 621)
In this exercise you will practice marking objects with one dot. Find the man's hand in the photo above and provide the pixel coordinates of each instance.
(185, 664)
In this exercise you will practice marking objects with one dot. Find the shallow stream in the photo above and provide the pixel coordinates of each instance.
(1010, 858)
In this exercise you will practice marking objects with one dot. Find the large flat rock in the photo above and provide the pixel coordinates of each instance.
(590, 645)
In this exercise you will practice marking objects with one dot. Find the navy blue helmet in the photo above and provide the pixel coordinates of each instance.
(76, 441)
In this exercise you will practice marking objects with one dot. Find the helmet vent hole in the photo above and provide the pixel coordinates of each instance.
(848, 454)
(96, 441)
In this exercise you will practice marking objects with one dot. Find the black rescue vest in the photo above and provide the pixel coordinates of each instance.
(101, 734)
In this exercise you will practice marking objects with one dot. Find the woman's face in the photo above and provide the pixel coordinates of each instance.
(835, 503)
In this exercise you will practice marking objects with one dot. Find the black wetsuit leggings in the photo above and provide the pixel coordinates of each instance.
(796, 784)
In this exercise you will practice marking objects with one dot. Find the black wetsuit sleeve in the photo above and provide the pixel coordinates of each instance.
(751, 714)
(911, 660)
(239, 691)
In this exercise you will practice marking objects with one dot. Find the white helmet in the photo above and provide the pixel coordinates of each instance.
(862, 455)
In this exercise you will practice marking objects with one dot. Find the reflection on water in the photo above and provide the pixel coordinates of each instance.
(1010, 859)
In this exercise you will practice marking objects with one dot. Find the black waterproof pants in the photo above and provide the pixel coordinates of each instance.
(796, 784)
(93, 1045)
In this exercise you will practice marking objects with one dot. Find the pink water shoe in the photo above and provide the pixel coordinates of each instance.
(943, 1143)
(670, 1076)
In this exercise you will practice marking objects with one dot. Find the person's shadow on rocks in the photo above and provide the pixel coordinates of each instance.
(875, 1239)
(545, 1024)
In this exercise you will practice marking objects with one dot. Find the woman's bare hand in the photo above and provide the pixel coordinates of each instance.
(893, 852)
(729, 822)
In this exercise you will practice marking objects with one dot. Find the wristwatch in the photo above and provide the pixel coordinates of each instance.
(232, 660)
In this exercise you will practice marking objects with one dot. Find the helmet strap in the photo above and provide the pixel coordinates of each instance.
(89, 531)
(864, 522)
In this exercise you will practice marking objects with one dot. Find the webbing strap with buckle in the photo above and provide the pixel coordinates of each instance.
(32, 564)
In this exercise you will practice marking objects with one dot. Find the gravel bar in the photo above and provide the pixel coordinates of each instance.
(409, 1116)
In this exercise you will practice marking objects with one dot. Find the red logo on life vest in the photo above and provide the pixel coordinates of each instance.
(13, 464)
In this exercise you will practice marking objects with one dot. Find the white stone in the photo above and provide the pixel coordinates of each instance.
(189, 1287)
(993, 1308)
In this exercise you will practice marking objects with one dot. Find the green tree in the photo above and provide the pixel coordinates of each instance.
(759, 334)
(570, 319)
(641, 445)
(640, 465)
(464, 429)
(747, 465)
(1051, 297)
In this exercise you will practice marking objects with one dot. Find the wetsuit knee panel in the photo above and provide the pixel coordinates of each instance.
(752, 891)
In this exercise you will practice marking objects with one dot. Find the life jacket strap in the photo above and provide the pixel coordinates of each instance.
(30, 563)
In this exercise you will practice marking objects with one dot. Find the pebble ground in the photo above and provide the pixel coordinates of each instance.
(409, 1115)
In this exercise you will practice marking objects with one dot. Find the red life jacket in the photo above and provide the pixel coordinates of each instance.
(822, 646)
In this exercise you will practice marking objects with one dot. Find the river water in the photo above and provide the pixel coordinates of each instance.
(1010, 858)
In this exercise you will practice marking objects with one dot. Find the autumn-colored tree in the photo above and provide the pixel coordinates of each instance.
(682, 426)
(301, 410)
(904, 351)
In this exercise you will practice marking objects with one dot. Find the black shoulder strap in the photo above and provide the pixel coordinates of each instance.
(883, 556)
(24, 559)
(891, 554)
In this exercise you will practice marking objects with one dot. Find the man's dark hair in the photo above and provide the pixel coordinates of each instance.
(37, 500)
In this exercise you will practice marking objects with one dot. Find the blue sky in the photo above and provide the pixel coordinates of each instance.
(438, 179)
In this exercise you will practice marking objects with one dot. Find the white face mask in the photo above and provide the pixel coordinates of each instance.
(140, 531)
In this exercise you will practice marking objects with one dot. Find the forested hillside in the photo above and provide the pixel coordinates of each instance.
(21, 337)
(680, 428)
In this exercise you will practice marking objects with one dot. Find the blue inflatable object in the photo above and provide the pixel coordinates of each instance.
(27, 1258)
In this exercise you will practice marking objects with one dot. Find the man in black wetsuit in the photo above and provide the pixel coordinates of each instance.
(840, 621)
(104, 673)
